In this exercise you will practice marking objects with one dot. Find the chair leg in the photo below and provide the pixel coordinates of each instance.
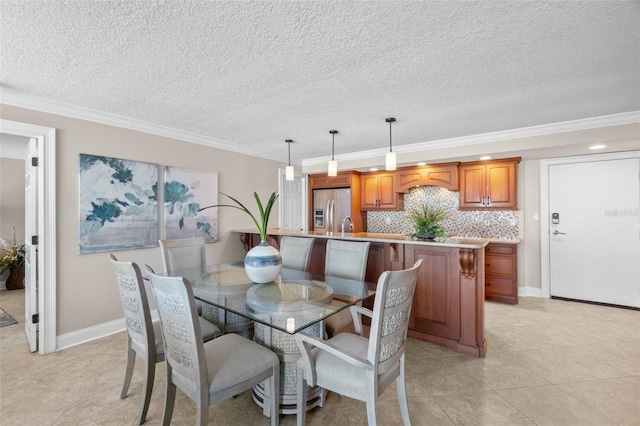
(301, 406)
(169, 399)
(202, 412)
(147, 387)
(402, 396)
(131, 360)
(274, 402)
(371, 409)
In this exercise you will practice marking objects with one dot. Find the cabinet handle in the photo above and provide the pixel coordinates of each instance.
(487, 264)
(486, 284)
(488, 200)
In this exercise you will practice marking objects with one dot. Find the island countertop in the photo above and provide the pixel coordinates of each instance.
(459, 242)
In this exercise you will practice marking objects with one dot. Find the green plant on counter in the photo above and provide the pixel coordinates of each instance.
(265, 211)
(427, 221)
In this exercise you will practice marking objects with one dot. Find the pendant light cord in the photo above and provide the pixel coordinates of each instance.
(390, 120)
(333, 142)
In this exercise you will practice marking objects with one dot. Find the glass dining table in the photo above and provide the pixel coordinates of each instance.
(271, 314)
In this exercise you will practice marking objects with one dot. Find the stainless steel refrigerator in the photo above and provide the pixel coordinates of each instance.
(330, 207)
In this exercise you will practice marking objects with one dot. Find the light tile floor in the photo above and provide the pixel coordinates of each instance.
(549, 362)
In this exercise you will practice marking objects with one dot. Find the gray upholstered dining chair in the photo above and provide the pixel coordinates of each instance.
(213, 371)
(344, 259)
(296, 252)
(362, 368)
(143, 334)
(190, 253)
(184, 253)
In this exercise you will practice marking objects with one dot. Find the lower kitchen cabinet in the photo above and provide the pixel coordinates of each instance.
(501, 273)
(436, 303)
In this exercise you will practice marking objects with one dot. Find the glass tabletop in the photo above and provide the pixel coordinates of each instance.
(294, 301)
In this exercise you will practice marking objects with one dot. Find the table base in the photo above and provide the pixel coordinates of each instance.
(288, 402)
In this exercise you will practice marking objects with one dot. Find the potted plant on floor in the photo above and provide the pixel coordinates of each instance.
(263, 262)
(12, 260)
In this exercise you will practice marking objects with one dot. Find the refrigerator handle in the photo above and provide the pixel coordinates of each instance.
(328, 215)
(333, 206)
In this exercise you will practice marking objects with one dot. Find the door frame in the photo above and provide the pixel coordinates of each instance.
(545, 240)
(47, 225)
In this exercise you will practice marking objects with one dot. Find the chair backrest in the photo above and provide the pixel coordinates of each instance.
(183, 253)
(183, 345)
(390, 322)
(135, 303)
(296, 252)
(346, 259)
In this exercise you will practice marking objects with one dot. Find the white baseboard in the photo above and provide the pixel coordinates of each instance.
(529, 292)
(89, 334)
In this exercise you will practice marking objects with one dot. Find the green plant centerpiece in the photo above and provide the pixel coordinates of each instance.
(427, 221)
(263, 262)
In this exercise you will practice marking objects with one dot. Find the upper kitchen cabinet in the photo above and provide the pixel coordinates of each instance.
(378, 192)
(444, 175)
(323, 181)
(489, 185)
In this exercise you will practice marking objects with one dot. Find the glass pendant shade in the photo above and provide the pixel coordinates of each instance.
(333, 164)
(390, 161)
(289, 169)
(390, 158)
(333, 168)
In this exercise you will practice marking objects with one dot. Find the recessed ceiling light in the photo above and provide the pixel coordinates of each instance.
(374, 169)
(485, 157)
(598, 146)
(422, 163)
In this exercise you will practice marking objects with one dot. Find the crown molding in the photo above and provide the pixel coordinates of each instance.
(524, 132)
(11, 97)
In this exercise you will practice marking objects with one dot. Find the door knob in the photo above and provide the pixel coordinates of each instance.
(556, 232)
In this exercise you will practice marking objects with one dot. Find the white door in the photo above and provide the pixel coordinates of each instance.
(594, 231)
(293, 203)
(31, 229)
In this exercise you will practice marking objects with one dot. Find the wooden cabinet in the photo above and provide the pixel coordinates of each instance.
(444, 175)
(489, 185)
(436, 303)
(343, 180)
(378, 192)
(501, 273)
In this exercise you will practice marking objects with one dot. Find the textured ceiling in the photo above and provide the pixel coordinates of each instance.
(256, 73)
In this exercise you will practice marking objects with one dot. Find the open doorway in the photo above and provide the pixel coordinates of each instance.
(40, 302)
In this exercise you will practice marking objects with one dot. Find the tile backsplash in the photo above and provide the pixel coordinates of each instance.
(486, 224)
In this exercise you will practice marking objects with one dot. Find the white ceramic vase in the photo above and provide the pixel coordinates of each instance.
(263, 263)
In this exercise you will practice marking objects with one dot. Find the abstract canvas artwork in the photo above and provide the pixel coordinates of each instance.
(118, 204)
(186, 191)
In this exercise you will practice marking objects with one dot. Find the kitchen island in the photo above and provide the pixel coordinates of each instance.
(448, 307)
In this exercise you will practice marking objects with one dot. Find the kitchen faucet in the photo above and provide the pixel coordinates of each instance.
(350, 224)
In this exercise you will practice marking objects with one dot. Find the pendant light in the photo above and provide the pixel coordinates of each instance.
(289, 169)
(390, 158)
(333, 164)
